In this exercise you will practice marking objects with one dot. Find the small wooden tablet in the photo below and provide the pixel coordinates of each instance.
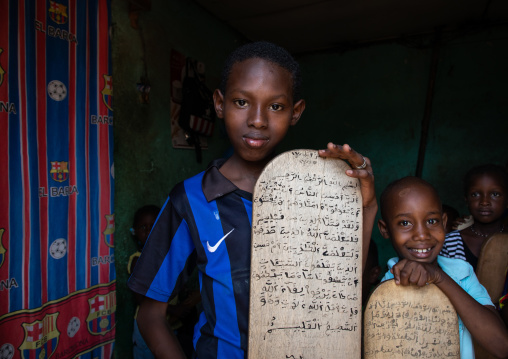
(305, 297)
(407, 322)
(491, 272)
(493, 264)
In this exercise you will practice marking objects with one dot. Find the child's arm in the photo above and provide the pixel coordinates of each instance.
(483, 322)
(155, 330)
(366, 177)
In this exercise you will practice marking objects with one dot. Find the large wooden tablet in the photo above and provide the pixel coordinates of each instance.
(407, 322)
(491, 272)
(305, 296)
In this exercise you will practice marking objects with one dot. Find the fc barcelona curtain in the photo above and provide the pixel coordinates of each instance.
(57, 273)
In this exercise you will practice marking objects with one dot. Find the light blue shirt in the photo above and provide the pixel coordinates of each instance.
(463, 274)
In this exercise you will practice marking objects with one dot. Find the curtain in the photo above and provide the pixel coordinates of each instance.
(57, 272)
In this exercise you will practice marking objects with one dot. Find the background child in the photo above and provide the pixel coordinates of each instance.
(486, 194)
(412, 218)
(144, 218)
(206, 219)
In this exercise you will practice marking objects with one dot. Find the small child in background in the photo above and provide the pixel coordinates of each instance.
(486, 194)
(144, 218)
(413, 219)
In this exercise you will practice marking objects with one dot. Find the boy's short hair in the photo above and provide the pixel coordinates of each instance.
(486, 169)
(148, 209)
(399, 184)
(266, 51)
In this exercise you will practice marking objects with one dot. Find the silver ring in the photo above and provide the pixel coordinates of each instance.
(364, 164)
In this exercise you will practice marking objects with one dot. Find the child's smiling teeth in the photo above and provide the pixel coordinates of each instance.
(421, 250)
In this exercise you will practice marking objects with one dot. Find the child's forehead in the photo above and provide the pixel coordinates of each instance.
(259, 64)
(488, 178)
(256, 72)
(413, 192)
(147, 216)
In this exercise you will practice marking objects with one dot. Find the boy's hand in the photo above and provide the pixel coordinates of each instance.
(363, 171)
(356, 160)
(407, 272)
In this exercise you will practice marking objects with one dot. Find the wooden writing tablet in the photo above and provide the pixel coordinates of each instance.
(410, 322)
(306, 263)
(493, 264)
(491, 272)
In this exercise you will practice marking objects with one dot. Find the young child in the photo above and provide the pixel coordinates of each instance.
(412, 218)
(486, 194)
(206, 220)
(144, 218)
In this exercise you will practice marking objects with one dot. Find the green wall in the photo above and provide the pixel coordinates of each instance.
(146, 164)
(372, 98)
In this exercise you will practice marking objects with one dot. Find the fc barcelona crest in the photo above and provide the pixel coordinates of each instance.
(101, 316)
(107, 92)
(58, 12)
(2, 248)
(59, 171)
(110, 229)
(2, 71)
(41, 338)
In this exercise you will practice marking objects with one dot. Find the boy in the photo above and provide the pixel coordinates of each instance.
(207, 218)
(413, 219)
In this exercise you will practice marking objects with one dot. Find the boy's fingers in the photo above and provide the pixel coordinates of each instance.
(396, 272)
(361, 165)
(361, 168)
(418, 277)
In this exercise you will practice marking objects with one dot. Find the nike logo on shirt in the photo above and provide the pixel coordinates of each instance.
(214, 248)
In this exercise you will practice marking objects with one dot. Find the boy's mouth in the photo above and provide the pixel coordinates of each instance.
(255, 140)
(421, 252)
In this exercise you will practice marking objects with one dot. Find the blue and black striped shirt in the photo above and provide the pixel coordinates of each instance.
(206, 221)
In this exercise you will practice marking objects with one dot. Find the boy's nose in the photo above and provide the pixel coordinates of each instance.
(421, 232)
(484, 200)
(257, 117)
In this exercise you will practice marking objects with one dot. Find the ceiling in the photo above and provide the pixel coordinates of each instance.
(312, 25)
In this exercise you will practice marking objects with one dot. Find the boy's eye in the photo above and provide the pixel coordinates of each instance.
(496, 194)
(404, 223)
(433, 221)
(276, 107)
(241, 103)
(474, 194)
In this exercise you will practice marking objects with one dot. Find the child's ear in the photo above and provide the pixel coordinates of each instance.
(298, 108)
(383, 229)
(445, 219)
(218, 103)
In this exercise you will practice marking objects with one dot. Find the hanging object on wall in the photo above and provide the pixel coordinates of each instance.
(57, 271)
(192, 111)
(143, 86)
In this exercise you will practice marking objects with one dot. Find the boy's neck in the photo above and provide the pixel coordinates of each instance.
(243, 174)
